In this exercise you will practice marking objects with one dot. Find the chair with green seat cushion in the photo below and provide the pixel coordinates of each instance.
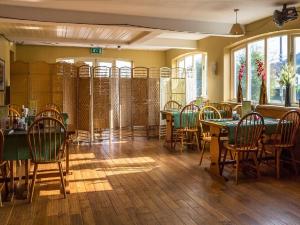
(248, 134)
(187, 133)
(284, 139)
(47, 143)
(3, 167)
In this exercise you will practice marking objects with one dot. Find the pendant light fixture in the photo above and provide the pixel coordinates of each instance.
(236, 28)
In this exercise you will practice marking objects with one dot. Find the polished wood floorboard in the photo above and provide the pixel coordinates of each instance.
(140, 182)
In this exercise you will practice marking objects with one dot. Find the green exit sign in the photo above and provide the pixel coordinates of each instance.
(96, 50)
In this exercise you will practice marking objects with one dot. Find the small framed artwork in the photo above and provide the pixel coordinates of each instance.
(2, 75)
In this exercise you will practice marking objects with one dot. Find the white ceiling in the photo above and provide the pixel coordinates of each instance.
(199, 10)
(136, 24)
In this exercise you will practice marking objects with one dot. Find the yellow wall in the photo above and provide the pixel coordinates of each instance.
(50, 54)
(5, 48)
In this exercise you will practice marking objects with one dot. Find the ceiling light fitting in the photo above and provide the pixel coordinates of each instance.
(236, 28)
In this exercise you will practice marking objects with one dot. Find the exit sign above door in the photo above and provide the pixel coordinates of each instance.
(96, 50)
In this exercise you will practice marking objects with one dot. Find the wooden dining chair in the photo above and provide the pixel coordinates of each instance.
(47, 143)
(188, 131)
(53, 113)
(172, 105)
(18, 108)
(226, 110)
(284, 139)
(52, 106)
(13, 114)
(206, 112)
(238, 109)
(248, 134)
(3, 168)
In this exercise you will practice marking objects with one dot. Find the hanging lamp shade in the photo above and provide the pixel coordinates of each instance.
(236, 28)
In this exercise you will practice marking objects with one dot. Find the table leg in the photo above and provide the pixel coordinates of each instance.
(214, 168)
(169, 131)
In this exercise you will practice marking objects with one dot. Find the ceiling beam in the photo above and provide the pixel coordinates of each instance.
(172, 43)
(80, 17)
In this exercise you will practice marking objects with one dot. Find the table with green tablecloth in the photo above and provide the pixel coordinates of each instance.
(217, 128)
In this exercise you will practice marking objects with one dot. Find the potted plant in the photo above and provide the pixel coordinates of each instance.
(263, 89)
(239, 90)
(286, 78)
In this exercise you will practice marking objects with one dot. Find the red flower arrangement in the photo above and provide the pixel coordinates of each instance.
(260, 69)
(241, 71)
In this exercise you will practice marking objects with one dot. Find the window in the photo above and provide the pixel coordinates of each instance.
(239, 60)
(256, 51)
(273, 53)
(65, 60)
(276, 58)
(122, 63)
(297, 67)
(195, 77)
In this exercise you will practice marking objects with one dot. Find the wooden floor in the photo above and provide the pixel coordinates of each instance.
(142, 183)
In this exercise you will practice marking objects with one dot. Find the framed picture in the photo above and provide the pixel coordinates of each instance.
(2, 75)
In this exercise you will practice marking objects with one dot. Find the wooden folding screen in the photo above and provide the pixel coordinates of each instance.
(125, 108)
(84, 102)
(153, 101)
(101, 102)
(178, 85)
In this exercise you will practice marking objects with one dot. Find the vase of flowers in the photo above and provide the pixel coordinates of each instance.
(240, 90)
(263, 99)
(286, 78)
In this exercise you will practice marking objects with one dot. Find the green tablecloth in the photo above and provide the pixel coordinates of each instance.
(16, 146)
(270, 126)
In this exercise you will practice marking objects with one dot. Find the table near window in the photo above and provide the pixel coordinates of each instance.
(16, 148)
(217, 128)
(172, 118)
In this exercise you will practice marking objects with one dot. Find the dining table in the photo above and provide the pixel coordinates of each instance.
(16, 149)
(220, 127)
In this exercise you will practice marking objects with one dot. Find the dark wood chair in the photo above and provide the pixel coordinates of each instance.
(12, 115)
(248, 134)
(189, 123)
(18, 108)
(207, 112)
(47, 143)
(284, 139)
(3, 168)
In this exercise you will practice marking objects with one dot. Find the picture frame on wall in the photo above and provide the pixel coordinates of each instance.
(2, 75)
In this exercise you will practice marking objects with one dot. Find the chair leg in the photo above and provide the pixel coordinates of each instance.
(256, 164)
(202, 152)
(237, 167)
(277, 161)
(62, 179)
(197, 141)
(223, 161)
(181, 148)
(33, 182)
(294, 162)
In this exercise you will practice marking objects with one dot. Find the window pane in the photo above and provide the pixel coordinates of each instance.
(198, 71)
(277, 57)
(189, 62)
(256, 52)
(121, 63)
(107, 64)
(297, 67)
(181, 63)
(239, 60)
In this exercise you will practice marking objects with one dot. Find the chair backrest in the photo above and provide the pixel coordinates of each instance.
(18, 108)
(13, 114)
(238, 109)
(1, 145)
(189, 116)
(52, 106)
(226, 110)
(172, 105)
(287, 128)
(47, 140)
(249, 131)
(209, 112)
(50, 113)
